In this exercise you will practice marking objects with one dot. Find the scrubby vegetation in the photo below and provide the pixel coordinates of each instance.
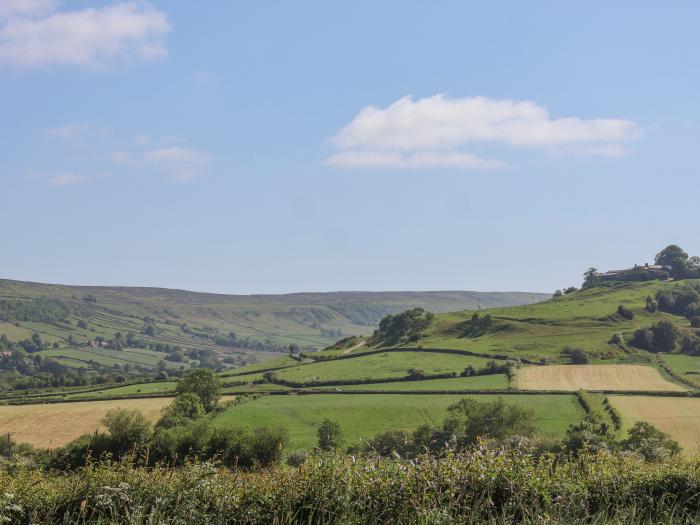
(510, 483)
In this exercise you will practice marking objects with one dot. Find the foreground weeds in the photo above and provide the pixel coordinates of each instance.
(483, 486)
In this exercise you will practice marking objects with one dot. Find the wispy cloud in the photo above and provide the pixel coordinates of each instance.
(168, 155)
(417, 160)
(434, 132)
(179, 162)
(204, 77)
(75, 132)
(35, 33)
(65, 179)
(17, 8)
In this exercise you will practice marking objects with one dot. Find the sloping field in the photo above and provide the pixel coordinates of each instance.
(594, 377)
(53, 425)
(678, 417)
(362, 416)
(384, 365)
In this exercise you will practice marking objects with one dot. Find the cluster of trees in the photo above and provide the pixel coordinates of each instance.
(625, 312)
(232, 340)
(682, 266)
(403, 327)
(678, 263)
(681, 300)
(507, 367)
(660, 337)
(476, 326)
(565, 291)
(576, 356)
(470, 421)
(184, 431)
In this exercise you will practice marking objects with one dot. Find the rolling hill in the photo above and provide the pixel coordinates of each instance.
(204, 320)
(526, 353)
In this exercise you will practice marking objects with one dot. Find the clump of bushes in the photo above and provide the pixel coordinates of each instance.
(625, 312)
(660, 337)
(576, 356)
(681, 300)
(651, 305)
(477, 325)
(492, 367)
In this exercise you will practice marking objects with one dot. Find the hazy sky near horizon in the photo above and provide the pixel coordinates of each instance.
(271, 147)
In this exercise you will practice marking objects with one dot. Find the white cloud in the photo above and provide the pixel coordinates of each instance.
(432, 132)
(417, 160)
(75, 132)
(15, 8)
(33, 33)
(65, 179)
(179, 162)
(204, 77)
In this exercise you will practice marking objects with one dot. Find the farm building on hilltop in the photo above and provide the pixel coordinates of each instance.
(648, 272)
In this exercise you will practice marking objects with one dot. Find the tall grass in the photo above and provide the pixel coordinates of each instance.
(482, 486)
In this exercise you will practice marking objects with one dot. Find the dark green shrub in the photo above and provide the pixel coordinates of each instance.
(577, 356)
(651, 305)
(625, 312)
(330, 436)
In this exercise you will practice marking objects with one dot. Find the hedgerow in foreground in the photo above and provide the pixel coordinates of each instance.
(481, 486)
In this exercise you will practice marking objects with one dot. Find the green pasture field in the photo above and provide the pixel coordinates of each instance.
(361, 416)
(163, 387)
(489, 382)
(261, 387)
(685, 364)
(79, 358)
(378, 366)
(272, 362)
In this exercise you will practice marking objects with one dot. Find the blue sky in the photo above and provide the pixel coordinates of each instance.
(247, 147)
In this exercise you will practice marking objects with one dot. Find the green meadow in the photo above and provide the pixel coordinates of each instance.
(361, 416)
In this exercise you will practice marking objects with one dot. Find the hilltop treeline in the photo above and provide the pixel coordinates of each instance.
(671, 262)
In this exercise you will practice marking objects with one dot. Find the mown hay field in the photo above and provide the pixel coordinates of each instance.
(678, 417)
(594, 377)
(55, 424)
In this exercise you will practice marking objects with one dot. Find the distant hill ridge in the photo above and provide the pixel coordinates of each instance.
(309, 319)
